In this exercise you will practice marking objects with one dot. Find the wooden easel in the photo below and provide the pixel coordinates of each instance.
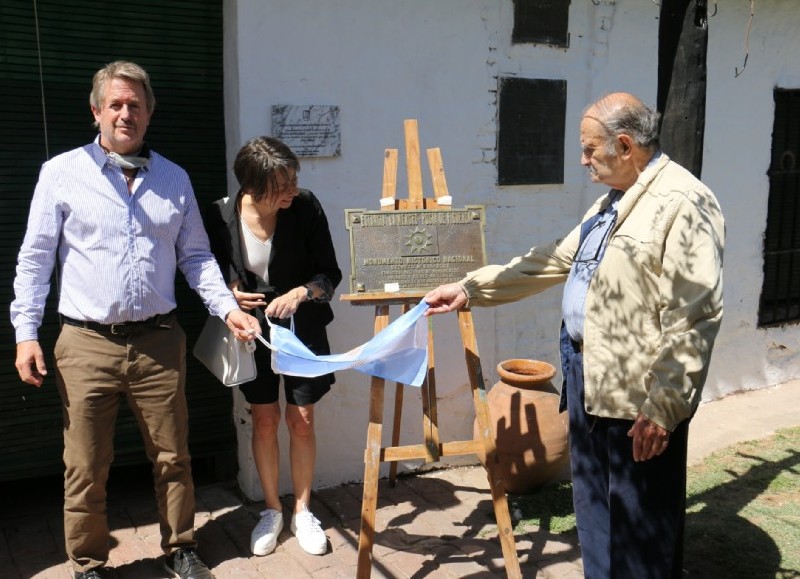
(433, 448)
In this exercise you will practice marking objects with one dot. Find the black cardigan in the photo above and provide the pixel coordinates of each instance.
(301, 248)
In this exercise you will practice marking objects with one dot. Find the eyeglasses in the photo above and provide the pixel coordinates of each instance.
(594, 243)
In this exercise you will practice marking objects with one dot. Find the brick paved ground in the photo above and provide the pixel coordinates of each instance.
(437, 525)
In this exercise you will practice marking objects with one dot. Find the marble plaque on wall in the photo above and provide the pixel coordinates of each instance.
(309, 130)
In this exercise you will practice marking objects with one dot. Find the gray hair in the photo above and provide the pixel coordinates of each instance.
(260, 161)
(630, 117)
(120, 69)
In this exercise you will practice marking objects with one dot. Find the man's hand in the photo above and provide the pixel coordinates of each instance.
(445, 298)
(30, 362)
(649, 439)
(243, 325)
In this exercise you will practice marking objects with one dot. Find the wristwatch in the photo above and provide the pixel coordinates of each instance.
(309, 293)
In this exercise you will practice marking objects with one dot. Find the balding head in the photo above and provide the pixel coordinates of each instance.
(619, 136)
(622, 113)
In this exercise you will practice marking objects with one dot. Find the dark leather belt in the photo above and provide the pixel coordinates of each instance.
(123, 328)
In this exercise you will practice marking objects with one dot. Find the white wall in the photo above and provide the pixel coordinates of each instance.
(438, 62)
(737, 156)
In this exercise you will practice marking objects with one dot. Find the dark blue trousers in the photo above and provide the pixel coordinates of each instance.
(630, 515)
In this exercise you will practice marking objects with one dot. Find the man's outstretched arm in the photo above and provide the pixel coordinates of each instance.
(445, 298)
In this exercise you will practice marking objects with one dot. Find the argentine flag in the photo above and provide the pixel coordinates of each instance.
(399, 352)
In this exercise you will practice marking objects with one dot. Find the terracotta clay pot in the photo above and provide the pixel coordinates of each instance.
(530, 433)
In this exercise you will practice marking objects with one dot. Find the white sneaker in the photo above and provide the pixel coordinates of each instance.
(264, 537)
(309, 533)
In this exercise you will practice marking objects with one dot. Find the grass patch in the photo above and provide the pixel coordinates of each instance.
(550, 508)
(743, 511)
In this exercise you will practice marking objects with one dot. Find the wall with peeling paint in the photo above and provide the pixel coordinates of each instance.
(439, 62)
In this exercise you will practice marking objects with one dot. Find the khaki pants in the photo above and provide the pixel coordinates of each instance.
(93, 372)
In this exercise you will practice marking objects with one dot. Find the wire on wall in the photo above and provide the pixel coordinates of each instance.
(738, 70)
(44, 121)
(41, 78)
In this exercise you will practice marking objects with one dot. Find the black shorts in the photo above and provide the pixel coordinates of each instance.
(299, 391)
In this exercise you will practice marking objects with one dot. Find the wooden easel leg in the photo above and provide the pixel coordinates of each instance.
(372, 462)
(430, 419)
(504, 526)
(398, 416)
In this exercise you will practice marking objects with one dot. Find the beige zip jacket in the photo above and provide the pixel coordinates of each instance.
(654, 305)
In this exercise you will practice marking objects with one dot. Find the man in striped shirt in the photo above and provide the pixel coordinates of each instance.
(118, 220)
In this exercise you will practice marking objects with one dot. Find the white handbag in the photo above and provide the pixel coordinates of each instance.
(231, 361)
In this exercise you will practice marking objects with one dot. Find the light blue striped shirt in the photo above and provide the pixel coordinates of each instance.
(118, 252)
(585, 263)
(587, 259)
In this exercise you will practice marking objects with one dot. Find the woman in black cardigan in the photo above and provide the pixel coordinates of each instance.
(274, 248)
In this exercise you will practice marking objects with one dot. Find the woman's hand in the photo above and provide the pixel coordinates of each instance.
(286, 305)
(247, 301)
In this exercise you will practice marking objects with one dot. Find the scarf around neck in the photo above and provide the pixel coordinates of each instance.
(136, 161)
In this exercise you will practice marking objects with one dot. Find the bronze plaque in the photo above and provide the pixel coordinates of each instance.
(397, 251)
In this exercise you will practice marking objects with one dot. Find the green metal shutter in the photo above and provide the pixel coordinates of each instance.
(180, 45)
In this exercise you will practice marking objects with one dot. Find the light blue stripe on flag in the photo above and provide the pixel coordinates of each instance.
(399, 352)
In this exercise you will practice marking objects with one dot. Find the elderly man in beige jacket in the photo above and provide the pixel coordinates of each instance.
(642, 306)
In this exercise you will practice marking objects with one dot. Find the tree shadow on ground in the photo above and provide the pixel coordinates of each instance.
(452, 527)
(720, 542)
